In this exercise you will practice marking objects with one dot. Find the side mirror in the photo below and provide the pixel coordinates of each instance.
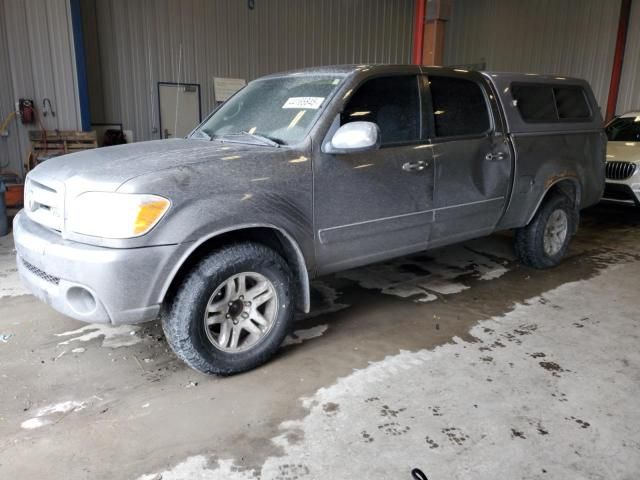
(354, 137)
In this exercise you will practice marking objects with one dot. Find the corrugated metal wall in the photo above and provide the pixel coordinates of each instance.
(133, 44)
(9, 146)
(629, 96)
(142, 42)
(566, 37)
(36, 61)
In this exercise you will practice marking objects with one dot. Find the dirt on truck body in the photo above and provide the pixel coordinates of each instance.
(303, 174)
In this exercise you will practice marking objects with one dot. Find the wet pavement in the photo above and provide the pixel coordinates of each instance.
(459, 361)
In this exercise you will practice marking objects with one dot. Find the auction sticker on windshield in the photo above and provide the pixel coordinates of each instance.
(304, 102)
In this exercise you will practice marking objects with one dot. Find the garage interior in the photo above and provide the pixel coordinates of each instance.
(459, 361)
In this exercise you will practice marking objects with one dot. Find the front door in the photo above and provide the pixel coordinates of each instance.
(377, 204)
(473, 163)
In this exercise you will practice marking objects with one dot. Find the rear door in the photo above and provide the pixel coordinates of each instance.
(376, 204)
(472, 158)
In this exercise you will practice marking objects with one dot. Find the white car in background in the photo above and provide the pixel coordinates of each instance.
(623, 159)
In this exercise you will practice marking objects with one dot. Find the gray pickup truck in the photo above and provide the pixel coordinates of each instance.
(302, 174)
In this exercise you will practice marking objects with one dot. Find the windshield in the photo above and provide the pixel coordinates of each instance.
(625, 129)
(278, 109)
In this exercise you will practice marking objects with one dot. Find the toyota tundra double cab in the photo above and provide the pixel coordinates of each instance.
(302, 174)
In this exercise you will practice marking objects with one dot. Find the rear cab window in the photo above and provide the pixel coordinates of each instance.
(547, 103)
(459, 107)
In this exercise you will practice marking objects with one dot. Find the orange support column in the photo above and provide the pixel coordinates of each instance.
(438, 13)
(616, 70)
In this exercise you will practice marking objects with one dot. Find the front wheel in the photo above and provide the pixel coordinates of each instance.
(544, 242)
(233, 310)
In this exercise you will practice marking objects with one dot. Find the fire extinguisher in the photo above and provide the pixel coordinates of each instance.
(27, 112)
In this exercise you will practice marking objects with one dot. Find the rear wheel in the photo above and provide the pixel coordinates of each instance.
(544, 242)
(233, 310)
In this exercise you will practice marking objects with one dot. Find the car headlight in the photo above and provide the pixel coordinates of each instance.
(115, 215)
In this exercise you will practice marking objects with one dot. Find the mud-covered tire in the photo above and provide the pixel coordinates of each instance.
(530, 240)
(183, 317)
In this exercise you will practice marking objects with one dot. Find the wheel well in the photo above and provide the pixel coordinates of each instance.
(568, 188)
(270, 237)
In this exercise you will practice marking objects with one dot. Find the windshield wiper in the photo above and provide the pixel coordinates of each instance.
(257, 136)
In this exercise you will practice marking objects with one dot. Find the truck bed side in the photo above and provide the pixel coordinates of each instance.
(566, 153)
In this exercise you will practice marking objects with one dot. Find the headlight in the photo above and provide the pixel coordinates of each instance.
(115, 215)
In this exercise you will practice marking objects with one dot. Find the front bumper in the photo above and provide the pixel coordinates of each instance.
(89, 283)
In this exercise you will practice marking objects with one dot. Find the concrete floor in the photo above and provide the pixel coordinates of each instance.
(458, 361)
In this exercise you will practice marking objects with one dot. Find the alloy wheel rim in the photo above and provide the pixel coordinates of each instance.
(555, 232)
(241, 312)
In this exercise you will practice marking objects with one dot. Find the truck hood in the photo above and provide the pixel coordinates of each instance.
(105, 169)
(623, 151)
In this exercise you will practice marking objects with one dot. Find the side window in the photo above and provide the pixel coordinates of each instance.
(459, 107)
(571, 103)
(548, 103)
(391, 102)
(535, 102)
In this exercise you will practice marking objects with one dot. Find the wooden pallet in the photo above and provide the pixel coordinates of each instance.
(57, 142)
(61, 141)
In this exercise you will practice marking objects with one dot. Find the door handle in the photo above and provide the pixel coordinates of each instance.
(495, 156)
(415, 166)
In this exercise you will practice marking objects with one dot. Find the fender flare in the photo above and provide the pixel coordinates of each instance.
(552, 182)
(300, 262)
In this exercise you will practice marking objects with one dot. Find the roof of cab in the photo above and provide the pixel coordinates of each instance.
(353, 68)
(502, 82)
(344, 70)
(325, 70)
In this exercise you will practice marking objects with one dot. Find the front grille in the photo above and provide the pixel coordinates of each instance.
(619, 170)
(44, 204)
(40, 273)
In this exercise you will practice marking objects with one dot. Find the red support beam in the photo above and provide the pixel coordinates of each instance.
(618, 58)
(433, 50)
(429, 33)
(418, 32)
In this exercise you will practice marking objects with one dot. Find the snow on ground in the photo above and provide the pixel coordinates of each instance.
(47, 415)
(547, 391)
(425, 277)
(112, 337)
(303, 335)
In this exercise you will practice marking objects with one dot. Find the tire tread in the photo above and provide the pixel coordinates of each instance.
(179, 311)
(529, 240)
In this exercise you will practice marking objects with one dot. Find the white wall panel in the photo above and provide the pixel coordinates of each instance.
(142, 42)
(10, 151)
(629, 94)
(565, 37)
